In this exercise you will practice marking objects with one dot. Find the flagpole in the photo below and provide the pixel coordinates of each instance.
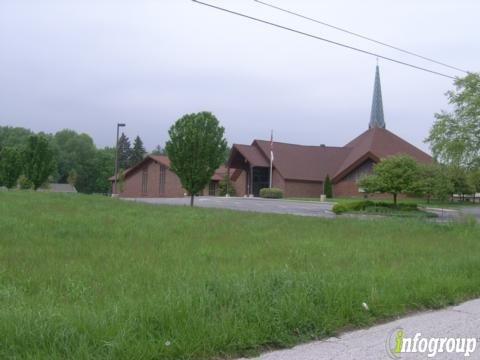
(271, 159)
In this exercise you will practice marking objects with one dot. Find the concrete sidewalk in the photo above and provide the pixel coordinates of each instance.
(461, 321)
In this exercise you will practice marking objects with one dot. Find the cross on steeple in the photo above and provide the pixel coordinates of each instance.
(377, 119)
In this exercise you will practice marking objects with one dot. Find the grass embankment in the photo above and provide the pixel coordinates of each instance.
(91, 277)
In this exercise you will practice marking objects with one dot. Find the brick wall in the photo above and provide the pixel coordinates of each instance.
(133, 183)
(346, 188)
(309, 189)
(240, 184)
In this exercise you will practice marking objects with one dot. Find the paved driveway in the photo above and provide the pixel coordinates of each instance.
(304, 208)
(461, 321)
(471, 211)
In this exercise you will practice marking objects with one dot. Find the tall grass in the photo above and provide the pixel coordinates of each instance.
(84, 277)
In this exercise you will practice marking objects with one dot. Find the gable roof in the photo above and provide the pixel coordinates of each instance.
(300, 162)
(377, 144)
(252, 154)
(314, 163)
(164, 160)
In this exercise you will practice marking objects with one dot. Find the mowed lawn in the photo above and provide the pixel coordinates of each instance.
(85, 277)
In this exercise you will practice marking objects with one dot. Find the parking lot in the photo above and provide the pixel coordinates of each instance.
(305, 208)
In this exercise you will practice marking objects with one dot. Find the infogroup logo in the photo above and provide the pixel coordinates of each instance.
(398, 343)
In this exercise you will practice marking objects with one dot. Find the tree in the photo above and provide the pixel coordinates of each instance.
(72, 177)
(159, 151)
(474, 180)
(460, 181)
(433, 182)
(104, 162)
(14, 137)
(327, 187)
(38, 160)
(10, 166)
(394, 175)
(138, 152)
(455, 136)
(124, 152)
(75, 152)
(196, 149)
(226, 187)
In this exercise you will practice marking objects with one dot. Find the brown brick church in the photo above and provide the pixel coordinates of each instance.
(298, 170)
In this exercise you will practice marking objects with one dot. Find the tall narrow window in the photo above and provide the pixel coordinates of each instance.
(145, 181)
(163, 175)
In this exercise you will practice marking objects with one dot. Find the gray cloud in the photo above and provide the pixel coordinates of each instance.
(88, 64)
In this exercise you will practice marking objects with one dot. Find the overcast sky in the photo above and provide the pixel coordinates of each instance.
(88, 64)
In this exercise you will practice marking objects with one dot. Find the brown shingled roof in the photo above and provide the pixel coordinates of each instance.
(252, 154)
(164, 160)
(300, 162)
(377, 143)
(314, 163)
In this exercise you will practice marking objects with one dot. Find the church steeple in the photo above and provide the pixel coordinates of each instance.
(377, 119)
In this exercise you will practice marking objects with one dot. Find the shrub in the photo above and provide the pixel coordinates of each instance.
(327, 188)
(24, 183)
(362, 205)
(272, 193)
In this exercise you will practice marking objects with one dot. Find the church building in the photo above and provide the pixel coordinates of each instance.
(300, 170)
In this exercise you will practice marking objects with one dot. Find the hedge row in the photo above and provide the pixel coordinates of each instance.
(362, 205)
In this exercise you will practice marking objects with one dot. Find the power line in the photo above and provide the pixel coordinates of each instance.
(359, 35)
(322, 39)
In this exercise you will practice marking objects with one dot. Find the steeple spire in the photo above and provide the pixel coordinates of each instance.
(377, 119)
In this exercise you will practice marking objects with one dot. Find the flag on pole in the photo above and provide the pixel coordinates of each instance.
(271, 160)
(271, 147)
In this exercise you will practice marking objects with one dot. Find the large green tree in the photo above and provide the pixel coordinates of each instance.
(10, 166)
(38, 160)
(196, 148)
(455, 136)
(138, 152)
(434, 181)
(75, 152)
(395, 175)
(460, 180)
(103, 169)
(14, 137)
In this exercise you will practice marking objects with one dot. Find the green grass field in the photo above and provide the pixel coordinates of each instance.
(85, 277)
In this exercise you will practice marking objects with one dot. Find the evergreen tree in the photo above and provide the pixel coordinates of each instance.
(327, 188)
(159, 151)
(124, 152)
(138, 152)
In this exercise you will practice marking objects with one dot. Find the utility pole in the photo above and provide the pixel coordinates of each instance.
(116, 158)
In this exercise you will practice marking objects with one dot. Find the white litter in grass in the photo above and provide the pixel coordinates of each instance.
(365, 306)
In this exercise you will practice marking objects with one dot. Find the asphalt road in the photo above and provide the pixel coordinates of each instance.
(304, 208)
(371, 344)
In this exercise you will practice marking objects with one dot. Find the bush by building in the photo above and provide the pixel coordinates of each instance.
(271, 193)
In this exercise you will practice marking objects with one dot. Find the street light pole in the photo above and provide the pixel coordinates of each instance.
(116, 158)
